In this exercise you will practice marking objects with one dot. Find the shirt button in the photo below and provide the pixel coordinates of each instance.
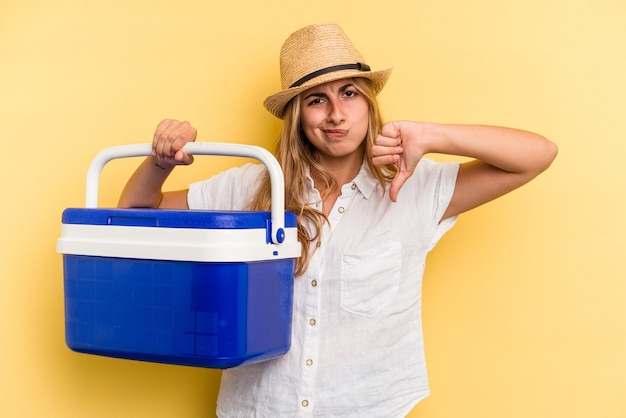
(309, 362)
(305, 403)
(312, 321)
(313, 282)
(353, 186)
(342, 209)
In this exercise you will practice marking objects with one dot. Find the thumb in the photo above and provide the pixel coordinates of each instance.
(183, 158)
(397, 183)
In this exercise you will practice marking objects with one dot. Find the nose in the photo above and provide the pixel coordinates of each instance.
(336, 114)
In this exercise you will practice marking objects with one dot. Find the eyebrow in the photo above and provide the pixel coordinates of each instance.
(320, 94)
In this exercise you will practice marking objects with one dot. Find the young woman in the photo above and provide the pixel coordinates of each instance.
(369, 206)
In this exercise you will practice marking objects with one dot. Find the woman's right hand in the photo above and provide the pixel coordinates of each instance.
(169, 139)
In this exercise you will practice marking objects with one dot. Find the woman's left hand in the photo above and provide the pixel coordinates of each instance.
(400, 143)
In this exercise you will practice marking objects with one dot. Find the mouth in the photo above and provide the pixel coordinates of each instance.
(336, 133)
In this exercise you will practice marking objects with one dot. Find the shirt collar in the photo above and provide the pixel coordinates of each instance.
(365, 181)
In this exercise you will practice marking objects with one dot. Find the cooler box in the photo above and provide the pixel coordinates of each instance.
(197, 288)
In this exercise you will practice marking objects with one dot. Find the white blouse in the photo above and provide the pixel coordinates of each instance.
(357, 348)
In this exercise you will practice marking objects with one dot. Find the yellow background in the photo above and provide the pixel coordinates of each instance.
(525, 312)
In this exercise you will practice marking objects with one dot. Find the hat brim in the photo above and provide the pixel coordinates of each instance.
(276, 103)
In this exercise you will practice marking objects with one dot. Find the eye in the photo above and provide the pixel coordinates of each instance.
(350, 93)
(314, 101)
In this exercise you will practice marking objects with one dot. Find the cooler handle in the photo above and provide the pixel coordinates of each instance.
(201, 148)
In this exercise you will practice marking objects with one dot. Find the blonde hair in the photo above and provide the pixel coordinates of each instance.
(295, 154)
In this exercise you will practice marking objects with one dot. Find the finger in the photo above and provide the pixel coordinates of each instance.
(161, 134)
(184, 134)
(378, 150)
(161, 148)
(387, 159)
(173, 139)
(161, 128)
(390, 130)
(387, 141)
(171, 136)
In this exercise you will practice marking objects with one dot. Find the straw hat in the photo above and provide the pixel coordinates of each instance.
(314, 55)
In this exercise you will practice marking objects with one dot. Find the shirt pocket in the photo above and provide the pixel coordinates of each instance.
(370, 279)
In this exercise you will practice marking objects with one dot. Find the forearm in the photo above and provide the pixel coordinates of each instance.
(511, 150)
(502, 158)
(143, 189)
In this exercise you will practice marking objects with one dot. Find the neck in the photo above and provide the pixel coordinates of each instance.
(343, 170)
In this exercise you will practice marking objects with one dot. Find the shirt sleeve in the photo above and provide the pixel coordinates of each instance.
(438, 181)
(229, 190)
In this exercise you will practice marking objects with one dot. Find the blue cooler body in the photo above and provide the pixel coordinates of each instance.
(197, 288)
(192, 288)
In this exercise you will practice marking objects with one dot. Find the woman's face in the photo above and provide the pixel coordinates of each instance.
(334, 118)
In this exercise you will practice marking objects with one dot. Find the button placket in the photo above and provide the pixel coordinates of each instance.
(310, 343)
(341, 204)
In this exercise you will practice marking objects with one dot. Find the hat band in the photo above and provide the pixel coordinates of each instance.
(358, 66)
